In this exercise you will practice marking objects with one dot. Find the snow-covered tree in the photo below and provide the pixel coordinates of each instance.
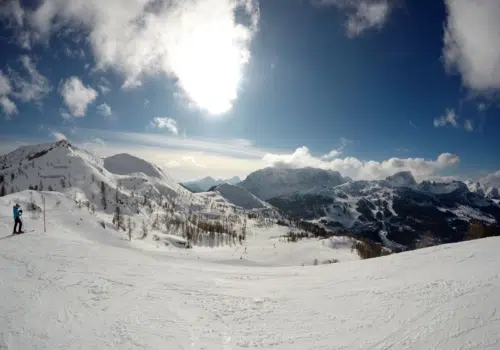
(118, 218)
(144, 229)
(130, 228)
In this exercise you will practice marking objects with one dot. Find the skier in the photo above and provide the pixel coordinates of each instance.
(17, 219)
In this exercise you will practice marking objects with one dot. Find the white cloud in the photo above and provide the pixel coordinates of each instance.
(104, 85)
(368, 170)
(58, 136)
(362, 15)
(449, 118)
(5, 86)
(33, 88)
(77, 96)
(165, 123)
(9, 108)
(164, 141)
(203, 44)
(192, 160)
(472, 43)
(75, 53)
(12, 11)
(95, 144)
(172, 164)
(331, 155)
(105, 110)
(469, 125)
(65, 114)
(335, 153)
(104, 89)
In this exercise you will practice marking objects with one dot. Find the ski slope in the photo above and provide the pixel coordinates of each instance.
(80, 286)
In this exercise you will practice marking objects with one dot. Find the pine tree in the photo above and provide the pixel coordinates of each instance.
(2, 191)
(103, 195)
(41, 186)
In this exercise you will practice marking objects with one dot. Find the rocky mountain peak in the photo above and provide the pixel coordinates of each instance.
(401, 179)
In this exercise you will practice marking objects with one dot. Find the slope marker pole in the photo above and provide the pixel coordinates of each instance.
(44, 227)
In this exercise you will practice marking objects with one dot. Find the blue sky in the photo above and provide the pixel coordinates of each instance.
(224, 87)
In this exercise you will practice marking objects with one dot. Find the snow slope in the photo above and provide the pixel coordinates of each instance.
(124, 164)
(75, 287)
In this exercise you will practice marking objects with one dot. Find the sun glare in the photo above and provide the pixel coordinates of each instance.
(209, 62)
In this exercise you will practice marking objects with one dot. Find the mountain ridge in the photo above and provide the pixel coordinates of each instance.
(204, 184)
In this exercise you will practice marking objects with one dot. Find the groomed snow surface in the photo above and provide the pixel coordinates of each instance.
(80, 286)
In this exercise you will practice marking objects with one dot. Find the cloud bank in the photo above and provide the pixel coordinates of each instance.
(364, 170)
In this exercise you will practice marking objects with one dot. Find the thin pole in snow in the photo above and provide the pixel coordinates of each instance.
(44, 227)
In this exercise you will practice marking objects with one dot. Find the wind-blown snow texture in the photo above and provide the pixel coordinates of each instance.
(82, 286)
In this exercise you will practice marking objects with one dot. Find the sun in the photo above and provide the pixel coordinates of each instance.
(209, 61)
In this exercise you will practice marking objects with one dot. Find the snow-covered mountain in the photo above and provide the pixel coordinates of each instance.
(124, 164)
(395, 211)
(273, 182)
(401, 179)
(208, 182)
(138, 190)
(484, 190)
(63, 167)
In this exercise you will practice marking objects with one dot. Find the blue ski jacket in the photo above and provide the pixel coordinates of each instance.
(16, 212)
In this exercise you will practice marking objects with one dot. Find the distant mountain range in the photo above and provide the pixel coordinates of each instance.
(395, 211)
(208, 182)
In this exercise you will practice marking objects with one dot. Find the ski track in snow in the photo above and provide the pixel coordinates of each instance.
(75, 288)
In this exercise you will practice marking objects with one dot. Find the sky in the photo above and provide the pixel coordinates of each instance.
(226, 87)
